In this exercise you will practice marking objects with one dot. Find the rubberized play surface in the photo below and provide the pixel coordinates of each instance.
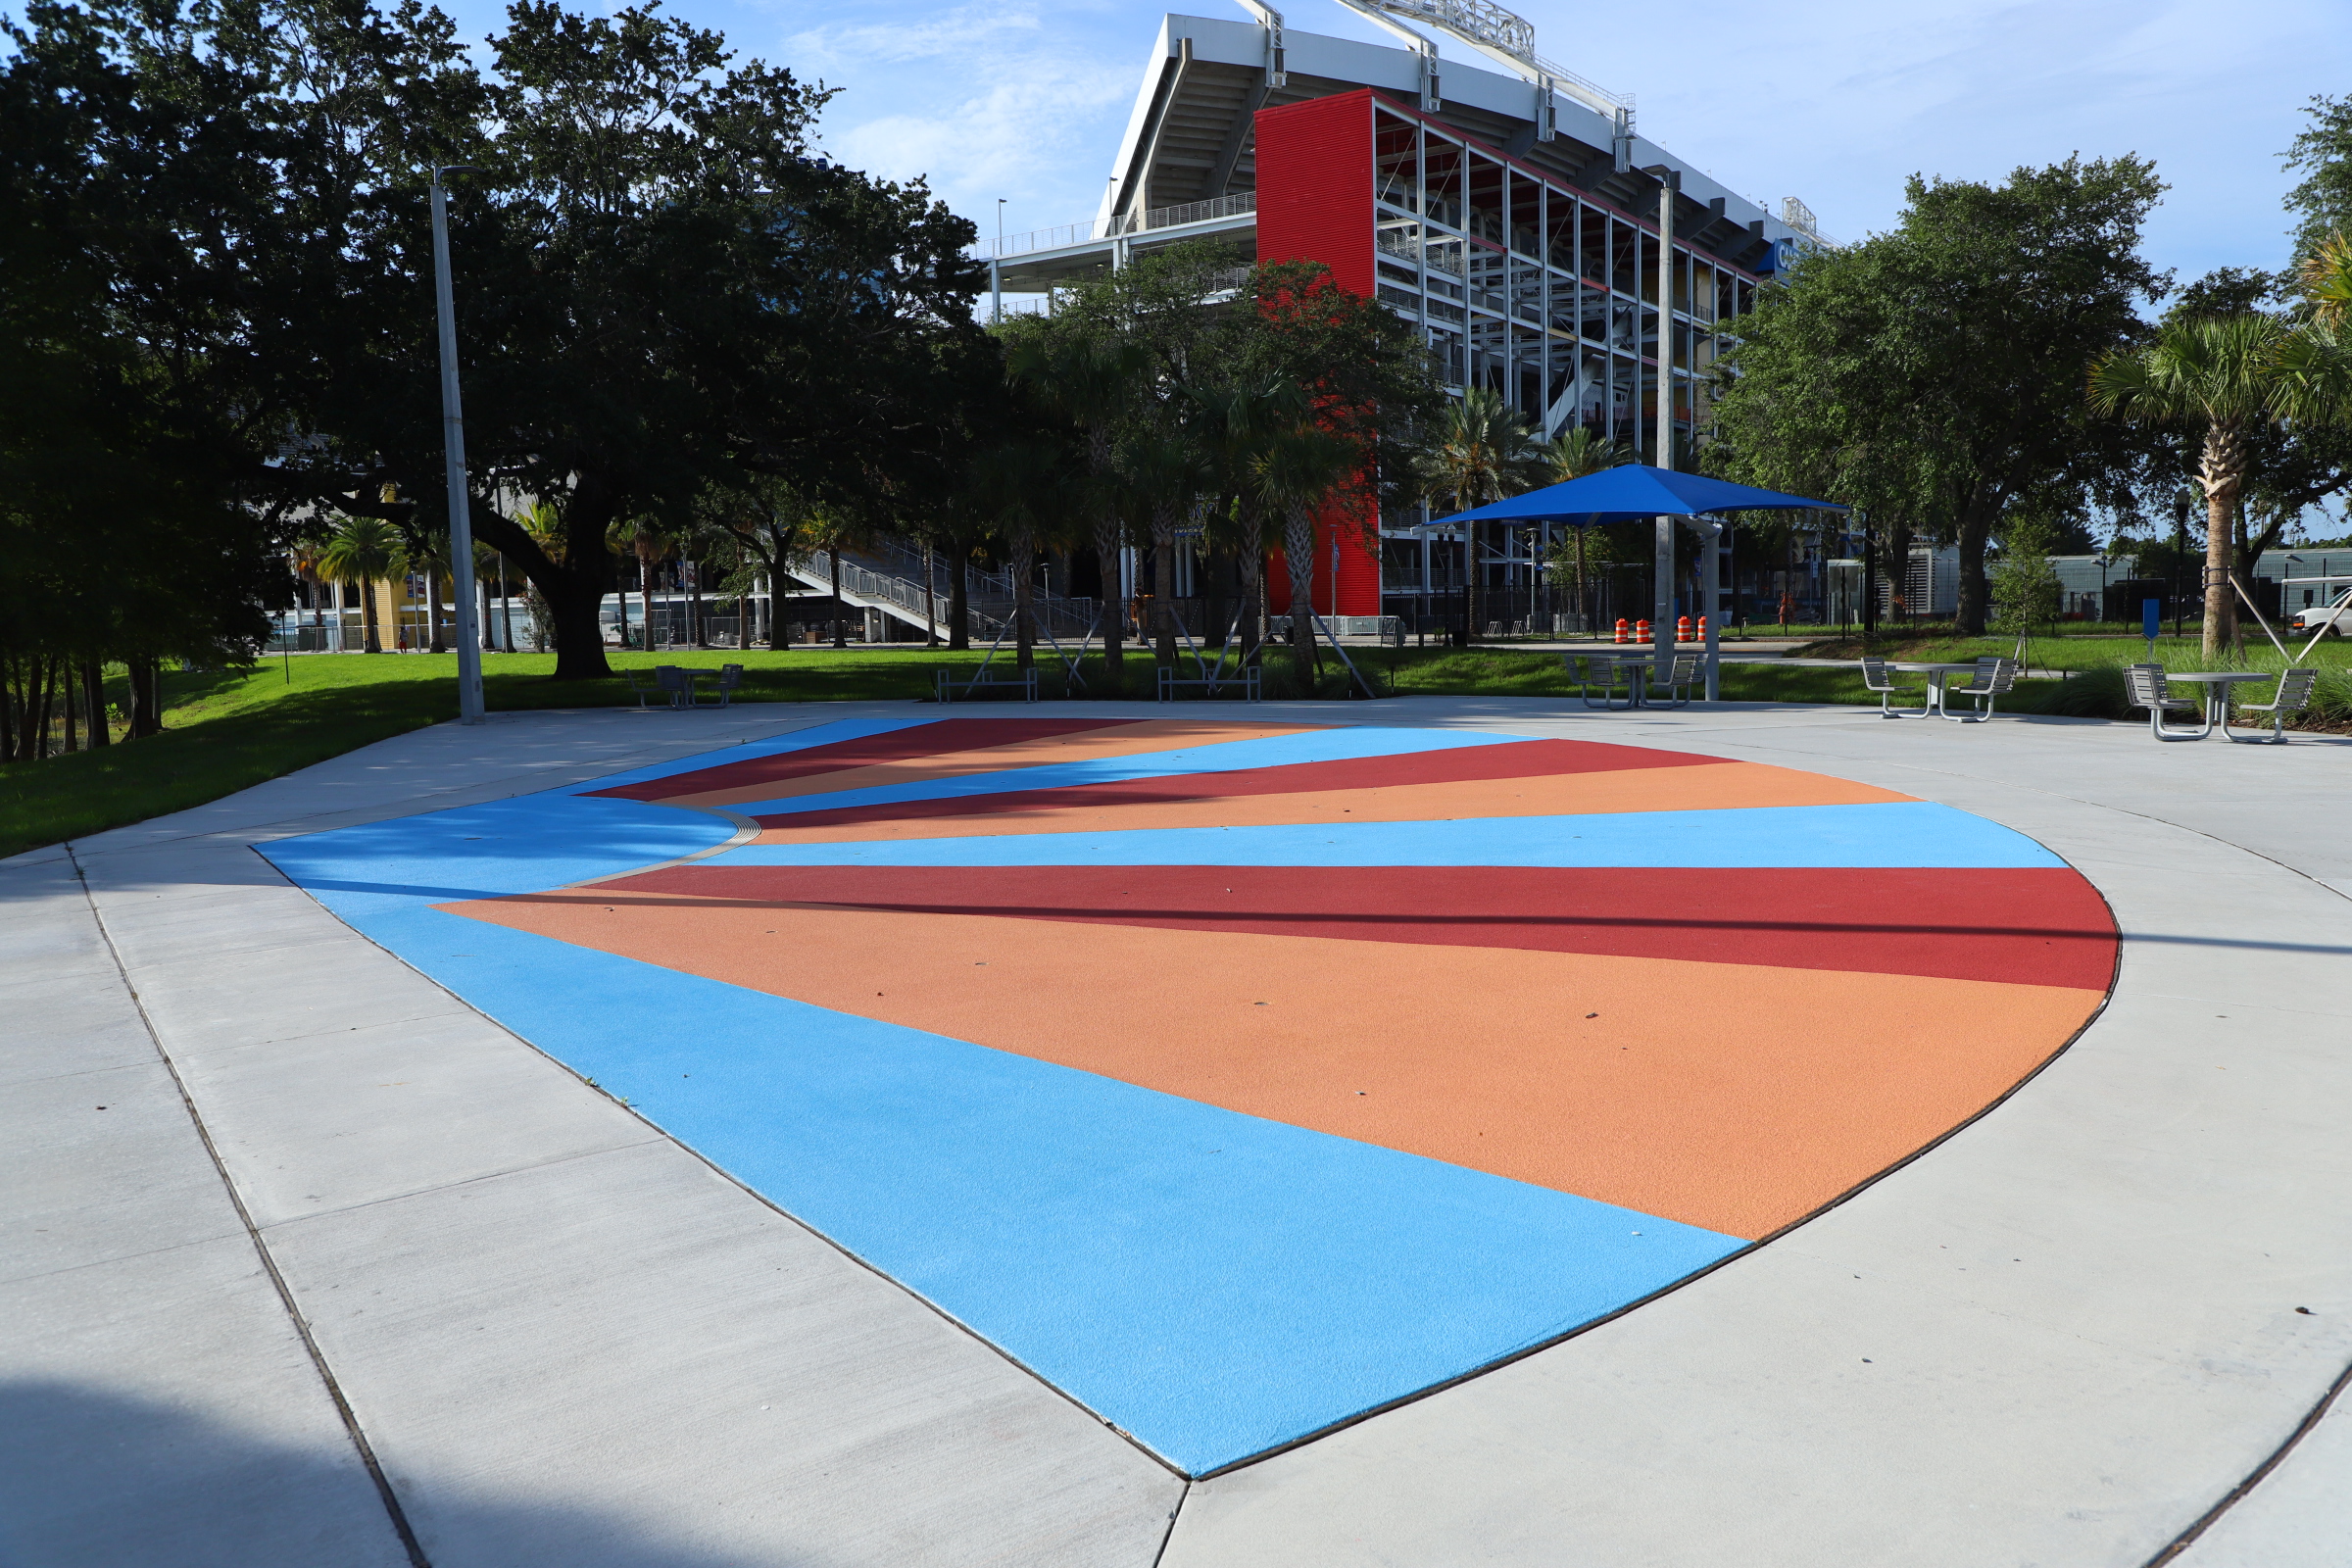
(1240, 1078)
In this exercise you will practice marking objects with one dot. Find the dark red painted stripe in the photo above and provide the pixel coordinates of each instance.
(2042, 926)
(1452, 765)
(897, 746)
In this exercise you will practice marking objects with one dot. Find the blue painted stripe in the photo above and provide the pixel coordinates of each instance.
(1214, 756)
(1212, 1283)
(1891, 834)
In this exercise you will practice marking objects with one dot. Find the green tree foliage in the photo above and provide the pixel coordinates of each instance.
(2322, 153)
(1201, 388)
(2025, 585)
(1478, 450)
(1933, 376)
(660, 285)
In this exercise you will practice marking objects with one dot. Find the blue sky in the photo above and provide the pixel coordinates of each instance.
(1829, 100)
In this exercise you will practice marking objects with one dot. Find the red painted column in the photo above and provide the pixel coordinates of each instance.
(1314, 203)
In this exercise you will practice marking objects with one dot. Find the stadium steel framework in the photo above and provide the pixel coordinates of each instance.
(1513, 218)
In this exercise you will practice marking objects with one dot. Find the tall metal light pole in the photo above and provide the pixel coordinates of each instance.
(996, 271)
(1661, 627)
(453, 436)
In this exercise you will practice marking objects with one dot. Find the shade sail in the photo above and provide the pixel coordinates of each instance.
(1623, 494)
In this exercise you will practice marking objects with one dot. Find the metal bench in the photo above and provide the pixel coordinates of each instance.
(1246, 678)
(947, 689)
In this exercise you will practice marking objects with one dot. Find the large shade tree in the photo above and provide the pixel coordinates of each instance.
(1933, 376)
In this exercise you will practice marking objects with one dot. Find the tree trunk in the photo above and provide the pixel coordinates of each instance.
(959, 595)
(838, 640)
(930, 598)
(93, 694)
(367, 615)
(1976, 524)
(146, 692)
(694, 605)
(432, 611)
(1024, 634)
(2222, 470)
(65, 695)
(1898, 569)
(1253, 570)
(1299, 554)
(1112, 604)
(1163, 584)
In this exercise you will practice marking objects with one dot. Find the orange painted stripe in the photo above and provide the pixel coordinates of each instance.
(1733, 1097)
(1125, 740)
(1707, 786)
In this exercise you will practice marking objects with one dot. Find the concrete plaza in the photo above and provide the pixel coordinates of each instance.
(310, 1262)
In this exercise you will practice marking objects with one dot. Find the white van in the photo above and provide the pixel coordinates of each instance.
(2335, 620)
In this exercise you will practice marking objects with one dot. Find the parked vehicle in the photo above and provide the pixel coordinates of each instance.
(2334, 618)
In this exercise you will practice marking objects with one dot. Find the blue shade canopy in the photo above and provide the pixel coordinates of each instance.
(1623, 494)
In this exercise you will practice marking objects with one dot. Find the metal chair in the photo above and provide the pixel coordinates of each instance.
(1681, 676)
(1991, 682)
(1608, 669)
(2147, 688)
(2292, 697)
(674, 681)
(642, 685)
(730, 676)
(1878, 678)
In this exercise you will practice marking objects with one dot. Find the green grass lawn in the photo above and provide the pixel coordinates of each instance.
(225, 730)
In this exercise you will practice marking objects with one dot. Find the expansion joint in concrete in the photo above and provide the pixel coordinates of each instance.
(261, 1247)
(2254, 1476)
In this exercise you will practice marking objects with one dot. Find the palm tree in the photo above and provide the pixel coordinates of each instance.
(650, 541)
(362, 550)
(1239, 423)
(1165, 466)
(1579, 453)
(1298, 470)
(1478, 453)
(2222, 372)
(429, 558)
(2327, 281)
(1092, 380)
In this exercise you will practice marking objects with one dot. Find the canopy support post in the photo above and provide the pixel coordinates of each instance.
(1710, 561)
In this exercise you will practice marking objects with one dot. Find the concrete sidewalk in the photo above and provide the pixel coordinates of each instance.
(345, 1273)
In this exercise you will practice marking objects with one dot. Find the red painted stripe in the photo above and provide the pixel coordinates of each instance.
(2042, 926)
(897, 746)
(1454, 764)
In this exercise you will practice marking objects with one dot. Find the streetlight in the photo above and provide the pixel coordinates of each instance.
(453, 437)
(996, 271)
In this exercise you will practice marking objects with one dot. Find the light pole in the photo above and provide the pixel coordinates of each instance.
(1670, 184)
(453, 436)
(996, 271)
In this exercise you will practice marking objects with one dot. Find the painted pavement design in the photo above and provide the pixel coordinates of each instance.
(1242, 1077)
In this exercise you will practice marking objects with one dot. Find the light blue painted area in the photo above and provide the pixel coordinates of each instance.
(1212, 1283)
(1891, 834)
(525, 844)
(1213, 757)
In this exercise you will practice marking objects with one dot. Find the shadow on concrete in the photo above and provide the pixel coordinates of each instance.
(93, 1478)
